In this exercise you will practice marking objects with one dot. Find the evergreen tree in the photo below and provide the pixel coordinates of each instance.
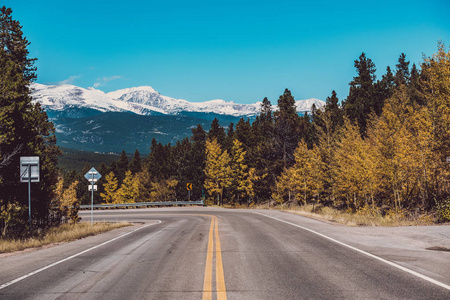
(415, 86)
(198, 158)
(24, 126)
(335, 111)
(217, 132)
(229, 138)
(402, 73)
(183, 164)
(135, 165)
(360, 101)
(243, 133)
(286, 131)
(122, 167)
(383, 90)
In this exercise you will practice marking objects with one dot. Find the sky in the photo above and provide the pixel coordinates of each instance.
(236, 50)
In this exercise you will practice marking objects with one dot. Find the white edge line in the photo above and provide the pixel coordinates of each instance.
(70, 257)
(365, 253)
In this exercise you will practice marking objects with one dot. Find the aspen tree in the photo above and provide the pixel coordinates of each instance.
(109, 196)
(217, 170)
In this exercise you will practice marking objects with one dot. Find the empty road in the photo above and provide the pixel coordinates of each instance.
(211, 253)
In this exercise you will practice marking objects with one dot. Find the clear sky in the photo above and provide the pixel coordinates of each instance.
(236, 50)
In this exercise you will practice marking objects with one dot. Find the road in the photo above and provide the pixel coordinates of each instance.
(211, 253)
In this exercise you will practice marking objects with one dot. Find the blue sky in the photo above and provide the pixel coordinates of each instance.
(238, 51)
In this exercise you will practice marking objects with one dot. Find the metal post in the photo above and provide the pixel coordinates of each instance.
(189, 195)
(29, 195)
(92, 200)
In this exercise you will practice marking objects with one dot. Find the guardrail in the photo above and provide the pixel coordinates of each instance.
(139, 204)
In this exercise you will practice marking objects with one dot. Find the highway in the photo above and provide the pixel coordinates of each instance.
(212, 253)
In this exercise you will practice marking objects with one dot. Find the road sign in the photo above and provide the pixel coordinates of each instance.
(29, 172)
(29, 168)
(92, 175)
(448, 159)
(189, 186)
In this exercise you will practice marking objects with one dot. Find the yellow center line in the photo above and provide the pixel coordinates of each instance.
(220, 279)
(207, 283)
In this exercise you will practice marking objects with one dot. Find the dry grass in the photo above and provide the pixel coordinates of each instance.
(61, 234)
(360, 218)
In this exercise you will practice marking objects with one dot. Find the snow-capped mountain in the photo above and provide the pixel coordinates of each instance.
(91, 120)
(142, 100)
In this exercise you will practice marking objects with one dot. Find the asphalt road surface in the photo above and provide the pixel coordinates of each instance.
(207, 253)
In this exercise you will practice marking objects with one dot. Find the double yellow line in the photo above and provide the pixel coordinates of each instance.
(220, 279)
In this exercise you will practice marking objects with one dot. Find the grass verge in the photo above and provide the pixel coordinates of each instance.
(360, 218)
(60, 234)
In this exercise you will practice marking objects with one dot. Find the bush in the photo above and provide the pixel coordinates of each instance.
(443, 210)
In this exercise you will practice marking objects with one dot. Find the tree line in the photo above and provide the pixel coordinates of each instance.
(383, 149)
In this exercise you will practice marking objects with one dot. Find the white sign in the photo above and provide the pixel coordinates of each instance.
(448, 159)
(29, 168)
(90, 187)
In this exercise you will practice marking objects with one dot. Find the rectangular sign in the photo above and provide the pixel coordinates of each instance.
(29, 163)
(448, 159)
(90, 187)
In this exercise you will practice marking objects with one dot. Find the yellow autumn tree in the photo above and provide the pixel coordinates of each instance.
(143, 180)
(110, 195)
(163, 190)
(66, 201)
(242, 177)
(303, 180)
(129, 190)
(354, 172)
(436, 72)
(217, 171)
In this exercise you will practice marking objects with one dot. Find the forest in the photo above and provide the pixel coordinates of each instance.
(385, 148)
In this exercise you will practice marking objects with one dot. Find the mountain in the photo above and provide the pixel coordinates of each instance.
(143, 100)
(128, 119)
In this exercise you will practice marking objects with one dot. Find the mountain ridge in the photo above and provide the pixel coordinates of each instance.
(143, 100)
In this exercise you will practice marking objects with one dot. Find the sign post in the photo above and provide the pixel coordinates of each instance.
(29, 172)
(92, 176)
(189, 188)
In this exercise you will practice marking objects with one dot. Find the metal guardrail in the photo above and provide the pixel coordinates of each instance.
(139, 204)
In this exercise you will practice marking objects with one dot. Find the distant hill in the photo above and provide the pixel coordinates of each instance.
(76, 159)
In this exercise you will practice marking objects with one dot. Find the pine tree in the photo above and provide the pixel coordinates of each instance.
(415, 87)
(122, 167)
(402, 76)
(197, 162)
(135, 165)
(383, 90)
(360, 101)
(24, 126)
(286, 131)
(217, 132)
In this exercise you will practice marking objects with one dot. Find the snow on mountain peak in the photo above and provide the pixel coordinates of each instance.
(143, 100)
